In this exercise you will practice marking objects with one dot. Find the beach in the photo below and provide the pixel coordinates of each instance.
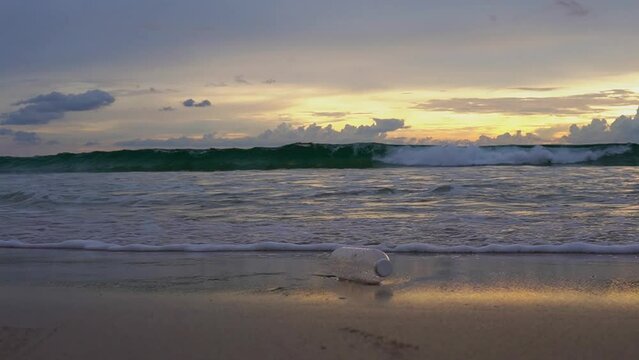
(298, 179)
(59, 304)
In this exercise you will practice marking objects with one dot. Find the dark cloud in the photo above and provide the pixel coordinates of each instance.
(45, 108)
(91, 143)
(259, 38)
(573, 7)
(21, 137)
(26, 137)
(193, 103)
(167, 108)
(269, 81)
(241, 80)
(624, 129)
(558, 105)
(282, 134)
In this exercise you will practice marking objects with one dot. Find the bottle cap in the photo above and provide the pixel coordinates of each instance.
(383, 268)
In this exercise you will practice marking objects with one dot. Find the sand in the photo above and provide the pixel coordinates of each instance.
(93, 305)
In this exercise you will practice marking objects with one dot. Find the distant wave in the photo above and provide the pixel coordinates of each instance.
(306, 156)
(566, 248)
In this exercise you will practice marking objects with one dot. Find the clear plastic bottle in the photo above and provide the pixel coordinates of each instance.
(368, 266)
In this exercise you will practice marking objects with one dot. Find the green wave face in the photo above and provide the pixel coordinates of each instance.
(286, 157)
(300, 156)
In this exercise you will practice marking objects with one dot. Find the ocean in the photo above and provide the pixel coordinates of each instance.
(309, 197)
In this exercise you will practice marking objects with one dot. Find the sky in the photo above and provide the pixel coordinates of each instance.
(83, 76)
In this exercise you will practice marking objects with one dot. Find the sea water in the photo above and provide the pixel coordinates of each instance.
(513, 208)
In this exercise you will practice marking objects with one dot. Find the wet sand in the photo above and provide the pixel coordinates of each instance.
(93, 305)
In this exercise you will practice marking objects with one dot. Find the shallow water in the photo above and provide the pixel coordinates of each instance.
(387, 207)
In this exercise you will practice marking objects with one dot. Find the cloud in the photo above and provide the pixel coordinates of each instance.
(278, 41)
(551, 132)
(141, 91)
(26, 137)
(167, 108)
(21, 137)
(624, 129)
(269, 81)
(206, 140)
(336, 114)
(192, 103)
(573, 7)
(45, 108)
(91, 143)
(519, 138)
(286, 133)
(283, 134)
(532, 88)
(331, 114)
(216, 84)
(557, 105)
(241, 80)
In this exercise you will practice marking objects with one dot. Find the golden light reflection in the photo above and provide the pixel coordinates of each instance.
(522, 296)
(479, 296)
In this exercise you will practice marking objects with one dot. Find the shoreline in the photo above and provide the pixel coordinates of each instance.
(571, 248)
(78, 305)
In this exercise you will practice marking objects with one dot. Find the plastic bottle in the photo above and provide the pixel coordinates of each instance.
(368, 266)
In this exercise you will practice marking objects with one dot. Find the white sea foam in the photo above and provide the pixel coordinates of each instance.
(566, 248)
(450, 155)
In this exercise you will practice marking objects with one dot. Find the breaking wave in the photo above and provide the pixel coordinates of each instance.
(307, 156)
(501, 155)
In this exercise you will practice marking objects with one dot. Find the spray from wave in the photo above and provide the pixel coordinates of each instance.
(503, 155)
